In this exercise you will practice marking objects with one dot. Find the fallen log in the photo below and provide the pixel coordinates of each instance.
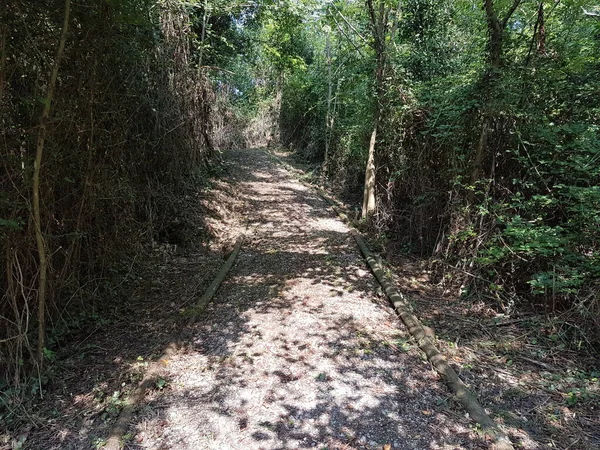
(211, 290)
(425, 337)
(119, 429)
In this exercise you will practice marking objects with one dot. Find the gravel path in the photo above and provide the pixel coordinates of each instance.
(299, 348)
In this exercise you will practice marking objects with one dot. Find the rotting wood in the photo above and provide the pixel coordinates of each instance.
(210, 292)
(425, 337)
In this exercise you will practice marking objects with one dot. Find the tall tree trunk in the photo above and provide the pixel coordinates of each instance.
(328, 116)
(369, 191)
(205, 17)
(479, 154)
(541, 31)
(379, 18)
(383, 31)
(496, 29)
(39, 237)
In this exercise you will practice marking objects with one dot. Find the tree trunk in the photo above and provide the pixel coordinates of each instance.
(379, 25)
(328, 116)
(203, 35)
(369, 190)
(39, 237)
(541, 31)
(479, 154)
(496, 29)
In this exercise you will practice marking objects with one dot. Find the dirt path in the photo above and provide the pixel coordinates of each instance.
(299, 349)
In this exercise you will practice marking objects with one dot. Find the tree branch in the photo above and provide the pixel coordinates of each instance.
(350, 25)
(510, 12)
(341, 30)
(594, 14)
(492, 17)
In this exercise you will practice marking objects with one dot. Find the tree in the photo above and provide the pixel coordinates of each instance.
(78, 177)
(481, 122)
(383, 24)
(491, 76)
(39, 236)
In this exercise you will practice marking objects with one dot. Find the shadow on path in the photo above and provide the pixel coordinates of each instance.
(298, 350)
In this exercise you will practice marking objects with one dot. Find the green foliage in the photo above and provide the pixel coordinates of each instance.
(285, 47)
(492, 165)
(221, 30)
(161, 383)
(527, 220)
(11, 224)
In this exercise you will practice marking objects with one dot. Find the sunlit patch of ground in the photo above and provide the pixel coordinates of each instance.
(298, 349)
(547, 396)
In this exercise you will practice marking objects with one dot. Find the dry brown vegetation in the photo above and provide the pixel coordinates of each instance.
(130, 121)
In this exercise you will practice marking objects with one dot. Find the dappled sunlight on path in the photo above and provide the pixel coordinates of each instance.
(298, 349)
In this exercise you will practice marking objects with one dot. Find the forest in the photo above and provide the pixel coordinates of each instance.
(462, 136)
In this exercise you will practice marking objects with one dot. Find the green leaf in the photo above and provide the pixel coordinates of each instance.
(12, 224)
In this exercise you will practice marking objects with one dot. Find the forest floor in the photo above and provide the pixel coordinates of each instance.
(300, 348)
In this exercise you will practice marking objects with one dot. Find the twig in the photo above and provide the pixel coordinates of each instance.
(510, 322)
(217, 68)
(538, 363)
(351, 26)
